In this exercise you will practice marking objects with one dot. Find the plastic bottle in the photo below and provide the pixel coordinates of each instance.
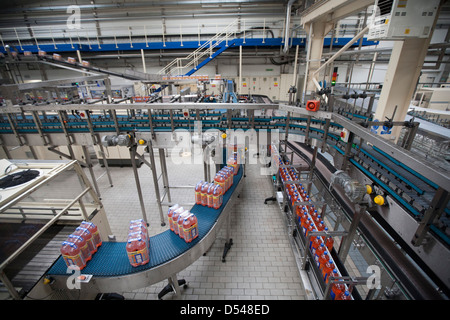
(175, 207)
(72, 256)
(344, 296)
(317, 219)
(315, 243)
(179, 224)
(137, 251)
(219, 179)
(205, 187)
(336, 288)
(81, 243)
(327, 269)
(230, 170)
(217, 196)
(87, 236)
(138, 227)
(306, 225)
(321, 226)
(311, 227)
(210, 194)
(303, 220)
(190, 228)
(198, 192)
(175, 217)
(94, 231)
(319, 251)
(329, 242)
(323, 259)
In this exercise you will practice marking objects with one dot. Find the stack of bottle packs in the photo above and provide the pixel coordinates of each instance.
(81, 245)
(138, 243)
(183, 223)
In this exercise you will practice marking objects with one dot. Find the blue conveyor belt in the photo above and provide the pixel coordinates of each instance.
(111, 259)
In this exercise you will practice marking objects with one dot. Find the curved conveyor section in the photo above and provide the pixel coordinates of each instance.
(169, 254)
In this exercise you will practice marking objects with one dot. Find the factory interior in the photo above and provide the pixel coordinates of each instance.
(225, 150)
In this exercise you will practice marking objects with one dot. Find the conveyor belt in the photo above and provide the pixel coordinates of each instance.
(415, 282)
(111, 259)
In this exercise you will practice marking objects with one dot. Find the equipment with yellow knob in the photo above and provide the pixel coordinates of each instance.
(379, 200)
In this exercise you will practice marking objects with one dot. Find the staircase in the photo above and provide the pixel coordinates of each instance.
(196, 60)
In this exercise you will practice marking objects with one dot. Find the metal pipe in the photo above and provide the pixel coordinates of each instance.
(344, 48)
(288, 22)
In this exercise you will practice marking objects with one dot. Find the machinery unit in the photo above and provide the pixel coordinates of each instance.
(402, 19)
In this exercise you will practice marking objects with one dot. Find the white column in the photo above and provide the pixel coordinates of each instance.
(400, 81)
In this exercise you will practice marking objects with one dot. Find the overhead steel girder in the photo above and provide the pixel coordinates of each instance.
(333, 10)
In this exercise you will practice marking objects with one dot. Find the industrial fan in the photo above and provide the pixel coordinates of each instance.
(18, 178)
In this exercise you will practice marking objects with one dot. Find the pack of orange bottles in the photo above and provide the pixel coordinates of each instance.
(81, 243)
(229, 171)
(72, 255)
(198, 192)
(217, 196)
(87, 236)
(137, 251)
(94, 231)
(170, 213)
(327, 269)
(179, 225)
(190, 228)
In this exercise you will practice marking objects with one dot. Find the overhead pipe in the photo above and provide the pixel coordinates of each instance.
(288, 22)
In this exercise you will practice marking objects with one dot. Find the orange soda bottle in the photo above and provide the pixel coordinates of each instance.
(175, 216)
(210, 194)
(314, 244)
(327, 269)
(190, 228)
(220, 180)
(87, 236)
(323, 259)
(198, 192)
(344, 296)
(319, 251)
(336, 288)
(172, 210)
(217, 196)
(179, 224)
(205, 186)
(72, 255)
(329, 242)
(94, 231)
